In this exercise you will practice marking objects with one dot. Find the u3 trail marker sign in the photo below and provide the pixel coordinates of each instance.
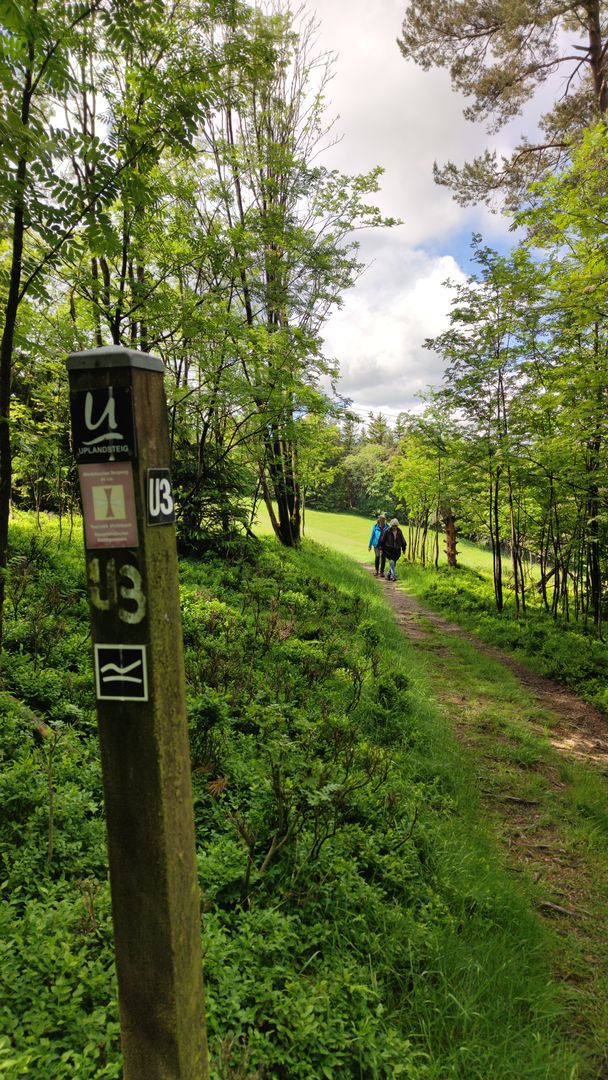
(121, 443)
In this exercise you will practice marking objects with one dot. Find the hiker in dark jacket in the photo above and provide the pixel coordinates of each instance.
(378, 532)
(393, 545)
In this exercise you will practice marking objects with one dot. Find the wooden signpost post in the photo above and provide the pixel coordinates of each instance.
(120, 438)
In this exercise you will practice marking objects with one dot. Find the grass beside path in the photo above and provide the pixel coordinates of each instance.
(547, 810)
(360, 919)
(483, 1004)
(565, 652)
(550, 812)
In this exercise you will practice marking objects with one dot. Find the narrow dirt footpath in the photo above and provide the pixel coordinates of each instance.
(527, 735)
(580, 729)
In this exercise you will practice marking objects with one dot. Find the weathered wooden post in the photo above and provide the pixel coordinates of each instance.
(120, 437)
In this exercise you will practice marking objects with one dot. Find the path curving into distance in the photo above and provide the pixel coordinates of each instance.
(580, 729)
(539, 758)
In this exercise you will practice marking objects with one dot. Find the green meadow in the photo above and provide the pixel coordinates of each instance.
(349, 534)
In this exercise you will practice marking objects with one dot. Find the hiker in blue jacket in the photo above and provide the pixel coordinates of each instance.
(375, 542)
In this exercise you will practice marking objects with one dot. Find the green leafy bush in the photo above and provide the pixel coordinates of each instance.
(57, 993)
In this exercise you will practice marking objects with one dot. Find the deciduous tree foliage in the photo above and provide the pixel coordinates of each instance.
(162, 189)
(427, 480)
(38, 207)
(524, 400)
(290, 224)
(71, 184)
(568, 223)
(482, 350)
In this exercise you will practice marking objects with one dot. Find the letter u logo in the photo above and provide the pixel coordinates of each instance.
(107, 417)
(108, 413)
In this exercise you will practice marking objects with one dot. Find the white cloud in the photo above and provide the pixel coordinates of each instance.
(379, 341)
(391, 113)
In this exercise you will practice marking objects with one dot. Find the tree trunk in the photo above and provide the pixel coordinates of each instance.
(514, 543)
(522, 578)
(8, 337)
(425, 529)
(449, 524)
(593, 555)
(557, 559)
(285, 488)
(597, 56)
(495, 533)
(594, 449)
(141, 293)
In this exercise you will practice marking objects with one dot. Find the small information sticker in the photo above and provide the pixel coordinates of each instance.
(108, 504)
(159, 497)
(121, 673)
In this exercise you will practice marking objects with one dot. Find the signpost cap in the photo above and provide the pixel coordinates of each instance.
(113, 356)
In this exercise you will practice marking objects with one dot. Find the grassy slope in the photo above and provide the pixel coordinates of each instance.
(547, 809)
(350, 533)
(502, 726)
(562, 651)
(406, 950)
(480, 1002)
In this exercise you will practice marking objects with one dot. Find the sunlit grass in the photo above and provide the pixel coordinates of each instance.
(349, 534)
(482, 1005)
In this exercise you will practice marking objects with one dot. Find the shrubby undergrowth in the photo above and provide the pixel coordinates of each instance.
(355, 921)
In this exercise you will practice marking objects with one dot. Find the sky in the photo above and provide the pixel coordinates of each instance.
(391, 113)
